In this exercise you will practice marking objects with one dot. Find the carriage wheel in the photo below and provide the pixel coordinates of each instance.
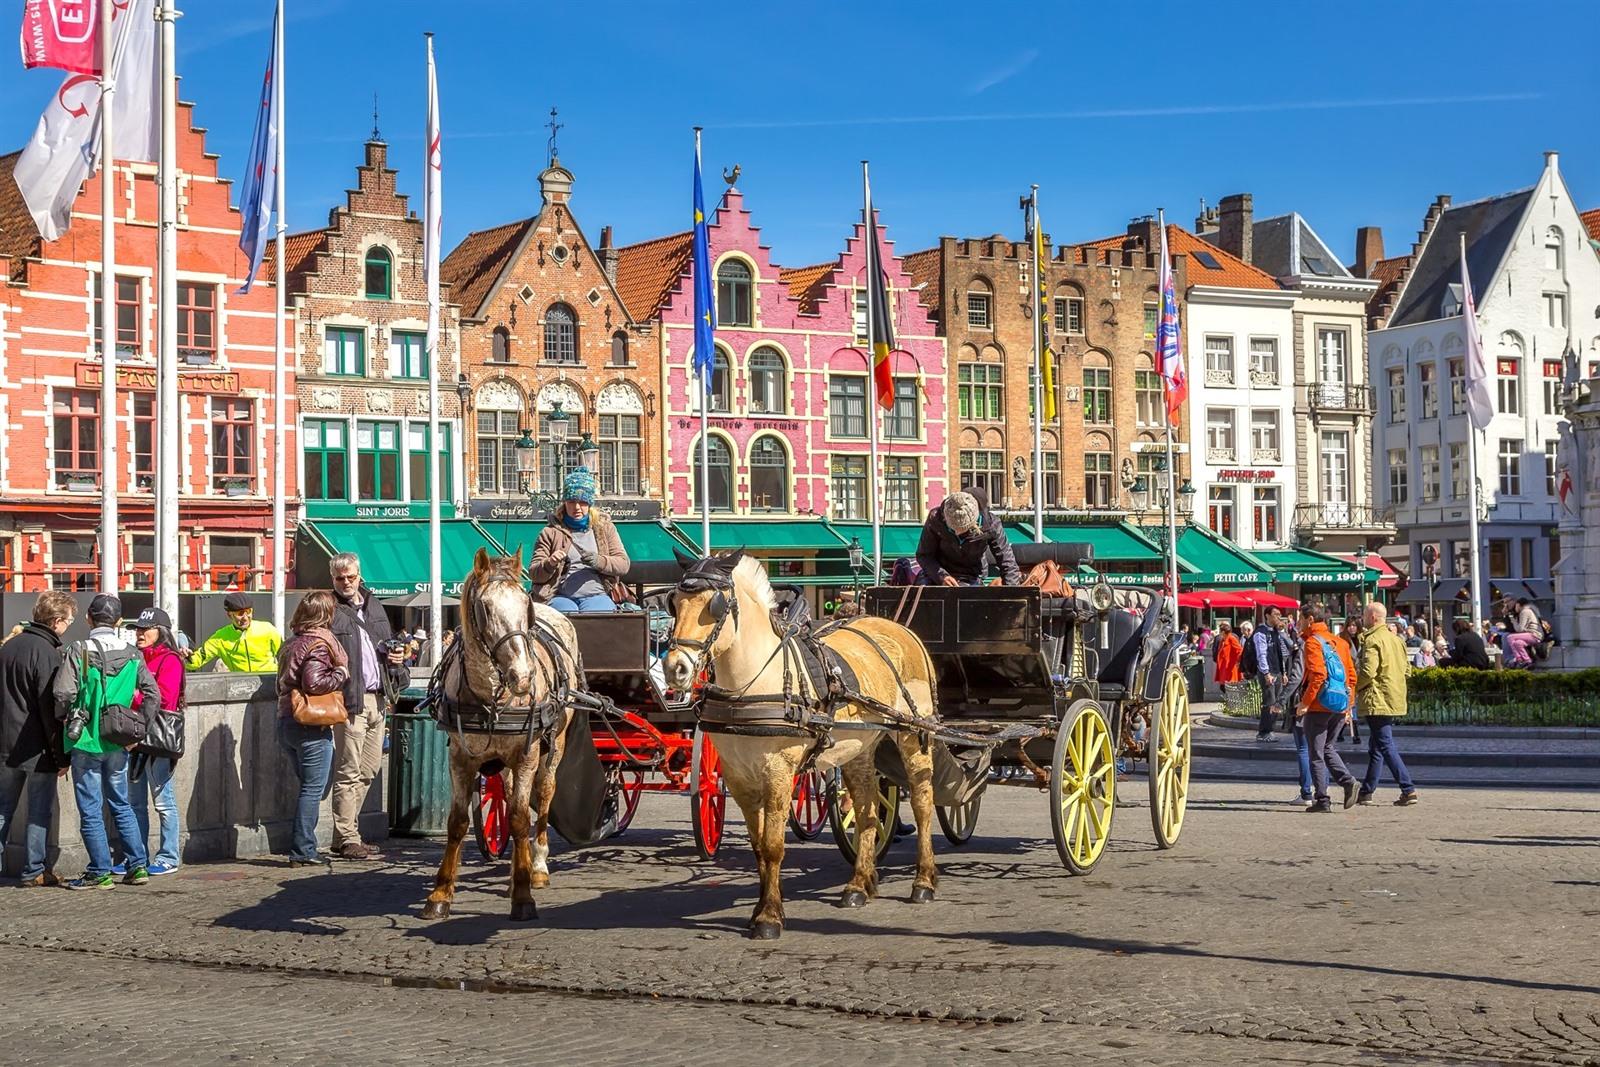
(491, 817)
(1171, 744)
(843, 819)
(959, 820)
(1083, 786)
(629, 785)
(809, 813)
(708, 796)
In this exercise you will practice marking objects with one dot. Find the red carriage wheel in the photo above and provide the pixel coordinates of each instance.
(629, 785)
(491, 817)
(708, 796)
(811, 799)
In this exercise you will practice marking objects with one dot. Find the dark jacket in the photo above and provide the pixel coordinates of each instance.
(312, 662)
(347, 627)
(106, 649)
(942, 551)
(29, 735)
(1468, 651)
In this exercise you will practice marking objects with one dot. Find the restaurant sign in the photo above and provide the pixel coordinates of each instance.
(1246, 476)
(417, 509)
(617, 509)
(144, 379)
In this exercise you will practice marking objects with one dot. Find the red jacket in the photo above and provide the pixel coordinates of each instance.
(1317, 668)
(1228, 653)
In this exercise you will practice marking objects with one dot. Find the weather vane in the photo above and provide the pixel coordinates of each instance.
(553, 126)
(730, 178)
(375, 135)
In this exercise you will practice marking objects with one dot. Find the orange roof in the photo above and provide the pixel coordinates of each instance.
(1231, 272)
(923, 268)
(647, 271)
(805, 283)
(19, 236)
(298, 249)
(1591, 222)
(1388, 273)
(474, 265)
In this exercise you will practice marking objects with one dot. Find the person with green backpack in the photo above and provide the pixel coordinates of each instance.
(94, 695)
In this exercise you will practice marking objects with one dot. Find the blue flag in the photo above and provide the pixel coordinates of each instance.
(259, 189)
(704, 347)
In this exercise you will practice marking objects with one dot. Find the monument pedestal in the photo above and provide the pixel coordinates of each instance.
(1577, 574)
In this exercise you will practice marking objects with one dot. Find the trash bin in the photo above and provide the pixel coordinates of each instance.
(1194, 672)
(419, 772)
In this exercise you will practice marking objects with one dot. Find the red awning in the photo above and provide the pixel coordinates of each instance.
(1388, 577)
(1262, 599)
(1213, 600)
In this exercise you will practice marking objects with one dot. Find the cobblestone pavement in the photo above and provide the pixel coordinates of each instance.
(1458, 930)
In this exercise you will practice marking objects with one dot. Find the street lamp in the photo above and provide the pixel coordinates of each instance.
(858, 560)
(527, 450)
(1361, 565)
(558, 420)
(1140, 492)
(589, 453)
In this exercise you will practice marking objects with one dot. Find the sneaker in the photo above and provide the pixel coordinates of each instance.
(1266, 739)
(40, 881)
(118, 870)
(1406, 799)
(160, 867)
(1301, 799)
(320, 861)
(1319, 807)
(1364, 798)
(93, 881)
(137, 876)
(1350, 794)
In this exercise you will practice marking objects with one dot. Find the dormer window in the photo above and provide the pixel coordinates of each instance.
(1450, 304)
(734, 286)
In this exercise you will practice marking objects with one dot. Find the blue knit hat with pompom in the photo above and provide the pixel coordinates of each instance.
(579, 486)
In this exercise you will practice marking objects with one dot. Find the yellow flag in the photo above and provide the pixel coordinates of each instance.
(1042, 320)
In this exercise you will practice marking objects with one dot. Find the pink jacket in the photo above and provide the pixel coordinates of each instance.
(167, 668)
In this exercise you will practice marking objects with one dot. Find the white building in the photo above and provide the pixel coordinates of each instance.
(1537, 285)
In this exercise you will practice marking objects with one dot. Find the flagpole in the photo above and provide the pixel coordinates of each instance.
(870, 399)
(169, 425)
(433, 179)
(1172, 495)
(279, 399)
(1469, 306)
(1038, 374)
(110, 475)
(707, 372)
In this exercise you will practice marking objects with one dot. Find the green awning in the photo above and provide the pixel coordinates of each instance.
(394, 552)
(1112, 541)
(1304, 567)
(778, 536)
(1219, 563)
(899, 538)
(645, 541)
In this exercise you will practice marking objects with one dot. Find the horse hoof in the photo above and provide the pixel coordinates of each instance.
(523, 911)
(852, 898)
(921, 894)
(765, 930)
(436, 909)
(539, 880)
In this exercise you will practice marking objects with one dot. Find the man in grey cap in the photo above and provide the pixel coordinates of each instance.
(959, 538)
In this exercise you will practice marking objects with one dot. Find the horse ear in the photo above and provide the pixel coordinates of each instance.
(683, 561)
(731, 559)
(480, 561)
(516, 560)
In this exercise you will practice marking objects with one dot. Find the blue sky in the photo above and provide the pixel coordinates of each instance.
(1352, 113)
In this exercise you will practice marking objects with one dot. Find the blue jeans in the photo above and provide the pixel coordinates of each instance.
(150, 781)
(98, 781)
(311, 750)
(567, 605)
(41, 789)
(1382, 750)
(1302, 751)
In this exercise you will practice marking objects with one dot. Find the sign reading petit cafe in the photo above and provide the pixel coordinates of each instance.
(141, 378)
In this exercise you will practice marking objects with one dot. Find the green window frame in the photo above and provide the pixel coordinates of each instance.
(378, 460)
(410, 352)
(417, 461)
(379, 275)
(1097, 395)
(344, 351)
(980, 392)
(325, 445)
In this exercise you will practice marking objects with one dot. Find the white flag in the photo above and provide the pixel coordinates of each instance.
(433, 181)
(66, 145)
(1480, 394)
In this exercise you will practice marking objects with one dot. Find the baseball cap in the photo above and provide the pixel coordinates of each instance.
(105, 608)
(237, 601)
(153, 617)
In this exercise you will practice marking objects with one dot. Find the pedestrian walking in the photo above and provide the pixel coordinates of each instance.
(1294, 674)
(1324, 705)
(312, 663)
(1381, 692)
(1272, 653)
(151, 763)
(245, 644)
(376, 675)
(31, 753)
(1229, 650)
(98, 676)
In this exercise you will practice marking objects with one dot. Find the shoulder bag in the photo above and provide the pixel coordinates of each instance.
(323, 709)
(164, 730)
(120, 724)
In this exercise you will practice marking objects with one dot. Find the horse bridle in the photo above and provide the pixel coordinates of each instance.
(705, 574)
(480, 619)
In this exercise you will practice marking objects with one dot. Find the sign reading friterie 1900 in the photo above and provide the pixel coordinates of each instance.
(144, 378)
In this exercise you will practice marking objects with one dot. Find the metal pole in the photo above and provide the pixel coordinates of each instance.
(279, 375)
(433, 179)
(705, 377)
(110, 475)
(870, 246)
(1472, 513)
(1038, 372)
(169, 423)
(1172, 496)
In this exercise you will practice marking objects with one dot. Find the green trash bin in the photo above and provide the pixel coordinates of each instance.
(419, 772)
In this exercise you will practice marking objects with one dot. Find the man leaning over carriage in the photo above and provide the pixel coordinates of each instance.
(578, 561)
(958, 539)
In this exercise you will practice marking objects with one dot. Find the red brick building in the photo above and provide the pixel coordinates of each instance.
(50, 371)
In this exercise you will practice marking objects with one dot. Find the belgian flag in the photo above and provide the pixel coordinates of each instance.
(880, 319)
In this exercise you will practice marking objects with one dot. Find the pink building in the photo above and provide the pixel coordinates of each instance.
(791, 392)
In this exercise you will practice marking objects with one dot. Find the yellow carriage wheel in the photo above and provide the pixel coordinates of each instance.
(1083, 786)
(842, 817)
(1171, 745)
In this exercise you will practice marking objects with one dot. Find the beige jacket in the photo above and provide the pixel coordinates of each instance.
(548, 568)
(1381, 680)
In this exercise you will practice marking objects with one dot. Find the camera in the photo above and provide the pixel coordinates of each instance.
(77, 722)
(393, 644)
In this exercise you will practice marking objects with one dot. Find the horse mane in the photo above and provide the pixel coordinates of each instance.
(756, 583)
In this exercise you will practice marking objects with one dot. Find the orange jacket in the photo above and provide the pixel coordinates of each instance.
(1228, 653)
(1317, 667)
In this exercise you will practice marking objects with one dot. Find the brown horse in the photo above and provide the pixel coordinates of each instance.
(723, 616)
(515, 655)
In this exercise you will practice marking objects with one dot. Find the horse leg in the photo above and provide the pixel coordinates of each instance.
(919, 768)
(544, 793)
(522, 906)
(751, 804)
(861, 781)
(777, 794)
(444, 883)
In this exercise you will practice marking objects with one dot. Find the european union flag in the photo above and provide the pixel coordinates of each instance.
(259, 188)
(703, 329)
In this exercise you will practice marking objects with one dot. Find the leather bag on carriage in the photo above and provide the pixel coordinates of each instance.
(578, 809)
(958, 774)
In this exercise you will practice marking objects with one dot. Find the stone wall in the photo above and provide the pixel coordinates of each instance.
(236, 788)
(1577, 574)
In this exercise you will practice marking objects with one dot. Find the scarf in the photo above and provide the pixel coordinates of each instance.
(576, 525)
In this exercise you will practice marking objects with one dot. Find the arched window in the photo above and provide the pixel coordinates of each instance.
(560, 335)
(380, 273)
(1553, 257)
(721, 382)
(980, 305)
(734, 294)
(500, 346)
(720, 487)
(619, 349)
(769, 474)
(769, 392)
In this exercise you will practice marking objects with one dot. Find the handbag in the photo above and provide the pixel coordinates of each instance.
(323, 709)
(164, 733)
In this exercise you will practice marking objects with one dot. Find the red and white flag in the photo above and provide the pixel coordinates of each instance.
(65, 148)
(1480, 393)
(63, 34)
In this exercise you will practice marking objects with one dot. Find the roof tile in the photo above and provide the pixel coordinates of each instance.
(1231, 271)
(923, 269)
(19, 236)
(806, 283)
(1591, 222)
(473, 266)
(648, 271)
(298, 248)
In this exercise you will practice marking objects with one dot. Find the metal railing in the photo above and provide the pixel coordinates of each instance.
(1343, 516)
(1338, 396)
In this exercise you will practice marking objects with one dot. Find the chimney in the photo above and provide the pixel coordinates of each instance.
(377, 155)
(1369, 249)
(555, 185)
(1144, 230)
(1235, 225)
(1205, 223)
(608, 254)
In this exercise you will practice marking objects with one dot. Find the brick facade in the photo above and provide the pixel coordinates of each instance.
(49, 381)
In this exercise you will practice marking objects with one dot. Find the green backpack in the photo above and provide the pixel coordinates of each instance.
(106, 705)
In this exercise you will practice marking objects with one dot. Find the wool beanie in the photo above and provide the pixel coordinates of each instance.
(579, 486)
(961, 512)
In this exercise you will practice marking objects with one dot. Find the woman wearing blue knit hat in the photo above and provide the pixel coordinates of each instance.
(578, 559)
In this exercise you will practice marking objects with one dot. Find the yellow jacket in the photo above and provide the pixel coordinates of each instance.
(1381, 683)
(255, 650)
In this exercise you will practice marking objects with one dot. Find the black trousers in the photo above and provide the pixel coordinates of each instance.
(1321, 729)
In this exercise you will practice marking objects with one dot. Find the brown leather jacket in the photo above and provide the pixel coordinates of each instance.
(549, 564)
(312, 662)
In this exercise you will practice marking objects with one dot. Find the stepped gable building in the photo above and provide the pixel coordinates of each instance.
(1110, 417)
(50, 374)
(1328, 439)
(545, 332)
(791, 386)
(359, 302)
(1536, 283)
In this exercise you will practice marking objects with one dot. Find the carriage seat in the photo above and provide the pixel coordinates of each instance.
(1068, 555)
(653, 572)
(1133, 614)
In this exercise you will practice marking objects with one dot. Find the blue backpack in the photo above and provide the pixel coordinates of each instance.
(1335, 692)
